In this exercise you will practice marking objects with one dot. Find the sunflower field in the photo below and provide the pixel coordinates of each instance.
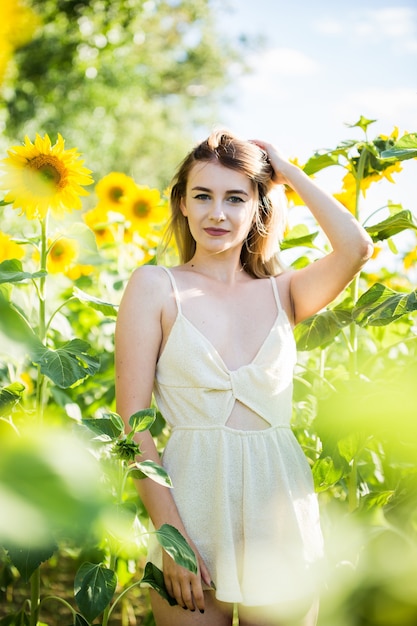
(73, 531)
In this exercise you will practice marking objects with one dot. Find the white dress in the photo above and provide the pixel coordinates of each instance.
(246, 497)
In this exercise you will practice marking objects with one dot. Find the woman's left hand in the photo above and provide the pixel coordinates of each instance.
(280, 164)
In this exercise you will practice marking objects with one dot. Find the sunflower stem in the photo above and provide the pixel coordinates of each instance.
(40, 387)
(354, 286)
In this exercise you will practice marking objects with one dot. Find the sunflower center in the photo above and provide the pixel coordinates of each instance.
(57, 251)
(46, 172)
(141, 210)
(115, 193)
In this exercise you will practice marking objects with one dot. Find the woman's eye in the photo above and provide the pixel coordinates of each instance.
(235, 199)
(202, 196)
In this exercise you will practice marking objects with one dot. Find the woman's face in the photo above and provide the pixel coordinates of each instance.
(220, 205)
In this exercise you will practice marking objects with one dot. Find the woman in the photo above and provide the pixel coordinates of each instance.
(212, 338)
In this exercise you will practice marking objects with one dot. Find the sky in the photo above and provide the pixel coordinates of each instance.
(325, 63)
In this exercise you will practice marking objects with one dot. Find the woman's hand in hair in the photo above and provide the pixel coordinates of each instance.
(281, 166)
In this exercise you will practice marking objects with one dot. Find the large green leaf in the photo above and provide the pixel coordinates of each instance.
(152, 470)
(103, 426)
(381, 305)
(319, 162)
(155, 578)
(176, 546)
(99, 305)
(299, 236)
(326, 473)
(142, 420)
(405, 148)
(11, 271)
(94, 587)
(322, 328)
(9, 396)
(391, 226)
(68, 364)
(27, 560)
(15, 326)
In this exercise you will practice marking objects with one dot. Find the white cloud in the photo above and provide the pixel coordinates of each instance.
(388, 24)
(398, 104)
(328, 26)
(283, 62)
(395, 22)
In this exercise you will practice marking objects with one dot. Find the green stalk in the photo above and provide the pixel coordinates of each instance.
(41, 382)
(35, 592)
(123, 472)
(353, 498)
(354, 286)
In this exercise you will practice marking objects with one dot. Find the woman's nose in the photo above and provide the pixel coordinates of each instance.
(217, 213)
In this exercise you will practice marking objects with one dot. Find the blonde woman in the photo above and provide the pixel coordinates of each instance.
(212, 339)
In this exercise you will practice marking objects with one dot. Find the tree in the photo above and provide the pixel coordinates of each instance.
(125, 81)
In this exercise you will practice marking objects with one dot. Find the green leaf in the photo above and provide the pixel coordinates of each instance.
(27, 560)
(153, 576)
(99, 305)
(67, 365)
(299, 236)
(325, 473)
(94, 587)
(405, 148)
(376, 499)
(319, 162)
(349, 446)
(16, 327)
(11, 271)
(362, 122)
(381, 305)
(103, 426)
(391, 226)
(142, 420)
(154, 471)
(176, 546)
(322, 328)
(9, 396)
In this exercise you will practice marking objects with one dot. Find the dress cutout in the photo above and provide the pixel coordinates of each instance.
(246, 497)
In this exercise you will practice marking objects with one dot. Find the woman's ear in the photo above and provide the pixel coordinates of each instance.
(183, 207)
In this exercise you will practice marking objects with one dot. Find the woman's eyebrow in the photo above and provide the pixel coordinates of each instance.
(206, 189)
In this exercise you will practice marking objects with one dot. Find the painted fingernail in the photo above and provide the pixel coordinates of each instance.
(201, 610)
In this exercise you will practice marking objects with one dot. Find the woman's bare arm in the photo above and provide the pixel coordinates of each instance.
(315, 286)
(137, 345)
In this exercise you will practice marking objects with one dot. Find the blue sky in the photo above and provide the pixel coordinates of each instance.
(323, 64)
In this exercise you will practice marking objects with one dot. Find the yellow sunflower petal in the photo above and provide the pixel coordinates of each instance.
(40, 176)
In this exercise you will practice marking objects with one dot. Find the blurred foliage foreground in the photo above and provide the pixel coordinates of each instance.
(66, 461)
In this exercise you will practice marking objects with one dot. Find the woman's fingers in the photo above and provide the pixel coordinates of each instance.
(184, 586)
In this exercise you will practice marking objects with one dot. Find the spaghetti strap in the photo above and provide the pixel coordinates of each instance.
(276, 294)
(174, 287)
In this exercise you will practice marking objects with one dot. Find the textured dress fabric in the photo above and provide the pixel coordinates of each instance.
(246, 497)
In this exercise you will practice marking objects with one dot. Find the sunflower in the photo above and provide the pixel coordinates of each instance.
(113, 189)
(40, 176)
(98, 220)
(17, 26)
(62, 255)
(9, 249)
(144, 208)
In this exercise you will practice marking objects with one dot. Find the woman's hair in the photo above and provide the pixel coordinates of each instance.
(259, 255)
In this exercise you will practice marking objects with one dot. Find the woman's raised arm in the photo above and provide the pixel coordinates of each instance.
(315, 286)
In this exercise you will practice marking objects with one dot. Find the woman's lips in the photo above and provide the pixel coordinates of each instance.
(216, 232)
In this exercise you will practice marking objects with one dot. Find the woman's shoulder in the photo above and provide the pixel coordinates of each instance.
(150, 281)
(283, 283)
